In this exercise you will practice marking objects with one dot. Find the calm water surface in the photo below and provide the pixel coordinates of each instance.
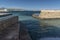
(39, 28)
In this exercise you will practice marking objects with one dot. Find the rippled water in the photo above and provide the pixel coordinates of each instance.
(39, 28)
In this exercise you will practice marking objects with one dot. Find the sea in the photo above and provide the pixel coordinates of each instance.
(38, 28)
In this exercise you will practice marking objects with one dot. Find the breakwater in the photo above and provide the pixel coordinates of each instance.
(49, 14)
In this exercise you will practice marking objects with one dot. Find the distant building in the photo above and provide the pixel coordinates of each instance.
(3, 9)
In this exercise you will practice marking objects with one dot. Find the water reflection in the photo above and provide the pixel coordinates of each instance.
(43, 28)
(53, 22)
(50, 28)
(33, 27)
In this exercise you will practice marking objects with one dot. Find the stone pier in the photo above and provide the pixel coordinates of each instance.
(9, 28)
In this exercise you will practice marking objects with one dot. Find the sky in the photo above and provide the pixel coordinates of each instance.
(31, 4)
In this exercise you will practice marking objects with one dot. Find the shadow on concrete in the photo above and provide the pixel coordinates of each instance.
(24, 35)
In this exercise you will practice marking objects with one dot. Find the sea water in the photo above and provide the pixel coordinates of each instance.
(39, 28)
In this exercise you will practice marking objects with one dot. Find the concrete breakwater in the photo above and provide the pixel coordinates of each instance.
(8, 21)
(49, 14)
